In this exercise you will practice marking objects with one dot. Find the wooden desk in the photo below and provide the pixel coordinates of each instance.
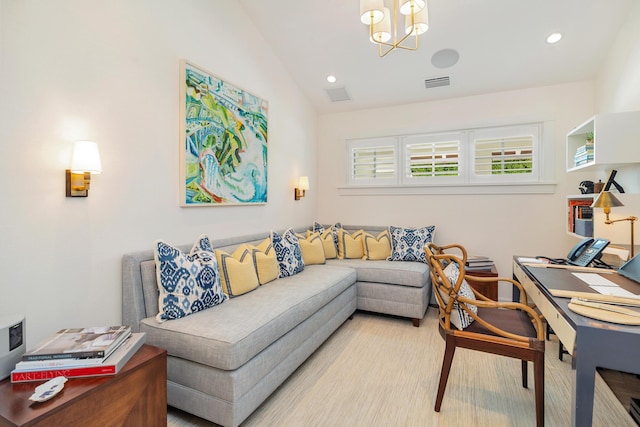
(136, 396)
(488, 289)
(592, 343)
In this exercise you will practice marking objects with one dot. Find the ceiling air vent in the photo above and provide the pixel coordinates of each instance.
(437, 82)
(338, 94)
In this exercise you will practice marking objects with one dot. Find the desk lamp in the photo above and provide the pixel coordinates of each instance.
(607, 201)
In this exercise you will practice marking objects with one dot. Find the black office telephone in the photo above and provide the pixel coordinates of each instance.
(586, 251)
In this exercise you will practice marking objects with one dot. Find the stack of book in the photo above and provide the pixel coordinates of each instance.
(584, 154)
(475, 263)
(579, 209)
(79, 352)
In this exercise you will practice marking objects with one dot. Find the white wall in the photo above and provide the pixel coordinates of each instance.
(109, 71)
(618, 83)
(495, 225)
(618, 89)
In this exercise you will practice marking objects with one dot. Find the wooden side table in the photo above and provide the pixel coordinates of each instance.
(488, 289)
(136, 396)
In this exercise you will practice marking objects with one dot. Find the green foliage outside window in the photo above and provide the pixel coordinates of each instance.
(505, 166)
(438, 170)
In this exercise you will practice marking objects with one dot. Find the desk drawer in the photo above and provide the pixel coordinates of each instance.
(561, 327)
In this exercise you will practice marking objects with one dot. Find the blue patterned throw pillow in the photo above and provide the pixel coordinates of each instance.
(407, 244)
(288, 253)
(188, 283)
(317, 227)
(335, 229)
(460, 318)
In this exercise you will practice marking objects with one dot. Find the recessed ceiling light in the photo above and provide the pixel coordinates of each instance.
(554, 38)
(331, 79)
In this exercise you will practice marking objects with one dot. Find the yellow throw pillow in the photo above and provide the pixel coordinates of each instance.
(237, 272)
(350, 245)
(312, 248)
(377, 247)
(264, 258)
(328, 244)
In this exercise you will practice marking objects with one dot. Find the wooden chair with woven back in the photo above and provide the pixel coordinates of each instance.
(470, 320)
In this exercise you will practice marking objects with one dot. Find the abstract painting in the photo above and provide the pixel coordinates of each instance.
(223, 142)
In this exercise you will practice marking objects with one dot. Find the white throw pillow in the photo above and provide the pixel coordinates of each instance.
(459, 317)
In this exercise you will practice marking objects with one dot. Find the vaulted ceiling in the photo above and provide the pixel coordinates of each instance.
(501, 45)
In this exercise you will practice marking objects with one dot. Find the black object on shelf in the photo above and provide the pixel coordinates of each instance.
(586, 187)
(611, 181)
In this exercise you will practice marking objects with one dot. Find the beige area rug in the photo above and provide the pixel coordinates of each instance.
(381, 371)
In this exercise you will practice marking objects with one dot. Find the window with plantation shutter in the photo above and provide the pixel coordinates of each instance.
(497, 159)
(506, 154)
(431, 157)
(373, 161)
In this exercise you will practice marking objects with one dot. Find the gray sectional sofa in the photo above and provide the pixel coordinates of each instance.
(223, 362)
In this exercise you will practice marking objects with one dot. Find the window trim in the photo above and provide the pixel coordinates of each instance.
(542, 183)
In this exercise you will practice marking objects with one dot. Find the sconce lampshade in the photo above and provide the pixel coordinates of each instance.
(606, 200)
(304, 183)
(85, 158)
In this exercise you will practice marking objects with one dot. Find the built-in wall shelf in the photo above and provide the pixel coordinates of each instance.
(616, 137)
(580, 215)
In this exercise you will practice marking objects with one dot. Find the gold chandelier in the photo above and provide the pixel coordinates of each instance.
(378, 18)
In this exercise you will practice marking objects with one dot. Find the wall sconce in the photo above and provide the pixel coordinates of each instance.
(607, 201)
(303, 186)
(85, 160)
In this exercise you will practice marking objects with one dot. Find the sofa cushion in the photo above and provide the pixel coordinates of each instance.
(266, 263)
(288, 252)
(319, 228)
(237, 271)
(407, 244)
(312, 248)
(401, 273)
(376, 248)
(350, 245)
(228, 335)
(329, 246)
(187, 283)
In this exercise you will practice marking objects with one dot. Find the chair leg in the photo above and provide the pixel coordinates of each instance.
(548, 331)
(449, 351)
(525, 374)
(538, 372)
(560, 350)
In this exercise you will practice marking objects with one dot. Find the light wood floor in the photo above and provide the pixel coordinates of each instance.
(381, 371)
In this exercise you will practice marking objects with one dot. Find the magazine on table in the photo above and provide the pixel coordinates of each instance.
(79, 343)
(111, 366)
